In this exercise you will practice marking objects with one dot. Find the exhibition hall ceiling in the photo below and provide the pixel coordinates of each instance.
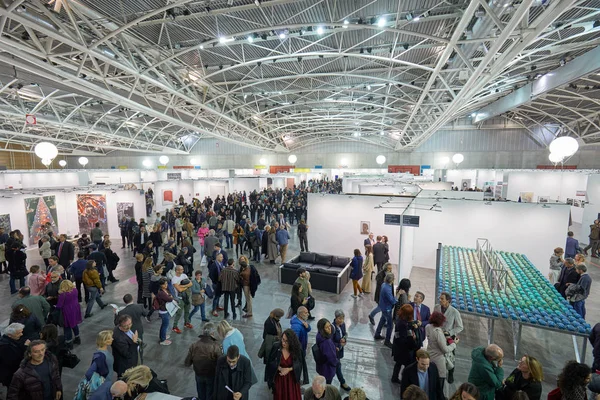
(278, 75)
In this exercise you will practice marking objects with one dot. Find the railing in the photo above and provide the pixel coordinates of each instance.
(494, 267)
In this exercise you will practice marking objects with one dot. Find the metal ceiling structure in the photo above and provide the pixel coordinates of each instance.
(277, 75)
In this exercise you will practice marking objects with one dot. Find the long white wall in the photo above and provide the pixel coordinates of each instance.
(334, 224)
(518, 227)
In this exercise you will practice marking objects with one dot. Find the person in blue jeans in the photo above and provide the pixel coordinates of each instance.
(198, 288)
(386, 304)
(585, 282)
(162, 298)
(214, 270)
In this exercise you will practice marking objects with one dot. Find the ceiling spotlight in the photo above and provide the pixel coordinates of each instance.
(164, 160)
(292, 159)
(381, 22)
(250, 39)
(62, 163)
(368, 87)
(258, 2)
(282, 35)
(416, 19)
(224, 39)
(458, 158)
(409, 16)
(194, 162)
(263, 161)
(146, 163)
(380, 159)
(405, 45)
(320, 30)
(382, 133)
(83, 161)
(346, 23)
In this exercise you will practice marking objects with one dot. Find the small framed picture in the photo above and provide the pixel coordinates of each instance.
(365, 227)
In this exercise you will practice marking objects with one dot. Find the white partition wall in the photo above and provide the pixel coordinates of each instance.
(526, 228)
(592, 209)
(335, 221)
(245, 184)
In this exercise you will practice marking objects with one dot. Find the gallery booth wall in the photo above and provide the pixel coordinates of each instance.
(65, 204)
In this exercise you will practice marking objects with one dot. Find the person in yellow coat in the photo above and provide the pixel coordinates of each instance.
(367, 269)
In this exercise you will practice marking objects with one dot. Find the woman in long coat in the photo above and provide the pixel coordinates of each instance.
(71, 312)
(437, 344)
(272, 249)
(265, 241)
(367, 269)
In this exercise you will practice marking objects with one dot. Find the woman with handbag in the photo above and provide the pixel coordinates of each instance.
(367, 269)
(71, 312)
(271, 334)
(198, 296)
(439, 346)
(405, 340)
(527, 377)
(160, 303)
(101, 367)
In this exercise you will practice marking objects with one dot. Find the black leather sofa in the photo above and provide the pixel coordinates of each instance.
(327, 272)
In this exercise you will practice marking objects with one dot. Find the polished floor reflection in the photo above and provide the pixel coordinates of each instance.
(367, 364)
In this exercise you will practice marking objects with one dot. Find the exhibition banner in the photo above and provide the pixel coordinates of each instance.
(39, 211)
(91, 208)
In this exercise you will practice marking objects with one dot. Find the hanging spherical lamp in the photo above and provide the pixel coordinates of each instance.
(83, 161)
(564, 146)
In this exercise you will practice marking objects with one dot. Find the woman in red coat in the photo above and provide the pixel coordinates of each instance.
(71, 312)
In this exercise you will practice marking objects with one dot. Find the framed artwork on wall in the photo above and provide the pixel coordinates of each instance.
(365, 227)
(526, 197)
(167, 197)
(39, 211)
(5, 222)
(124, 210)
(91, 208)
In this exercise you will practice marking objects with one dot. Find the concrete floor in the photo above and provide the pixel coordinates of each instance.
(362, 365)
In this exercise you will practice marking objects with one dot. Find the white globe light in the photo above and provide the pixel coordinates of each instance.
(147, 163)
(263, 161)
(564, 146)
(83, 161)
(458, 158)
(555, 158)
(45, 150)
(62, 163)
(380, 160)
(445, 160)
(292, 159)
(344, 162)
(46, 161)
(194, 162)
(164, 160)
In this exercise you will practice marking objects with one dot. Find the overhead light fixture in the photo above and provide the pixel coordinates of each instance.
(381, 22)
(320, 30)
(409, 17)
(344, 162)
(164, 160)
(201, 47)
(555, 158)
(258, 2)
(405, 45)
(292, 159)
(458, 158)
(282, 35)
(224, 39)
(445, 160)
(263, 161)
(368, 87)
(346, 23)
(83, 161)
(46, 151)
(382, 133)
(250, 39)
(62, 163)
(194, 162)
(416, 19)
(146, 163)
(380, 160)
(564, 146)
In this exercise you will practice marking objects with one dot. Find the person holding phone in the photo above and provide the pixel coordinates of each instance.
(486, 370)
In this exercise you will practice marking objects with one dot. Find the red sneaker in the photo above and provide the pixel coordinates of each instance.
(215, 314)
(220, 309)
(188, 325)
(176, 330)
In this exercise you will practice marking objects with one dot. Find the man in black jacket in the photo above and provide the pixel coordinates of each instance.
(65, 251)
(135, 312)
(140, 239)
(423, 374)
(12, 349)
(101, 262)
(568, 276)
(38, 377)
(125, 346)
(235, 371)
(379, 253)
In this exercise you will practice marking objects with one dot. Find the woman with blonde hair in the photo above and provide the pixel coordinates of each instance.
(357, 394)
(101, 367)
(367, 269)
(147, 272)
(527, 377)
(71, 312)
(232, 336)
(137, 379)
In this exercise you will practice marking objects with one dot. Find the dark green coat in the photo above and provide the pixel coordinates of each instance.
(484, 375)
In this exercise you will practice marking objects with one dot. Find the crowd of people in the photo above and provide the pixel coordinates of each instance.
(207, 252)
